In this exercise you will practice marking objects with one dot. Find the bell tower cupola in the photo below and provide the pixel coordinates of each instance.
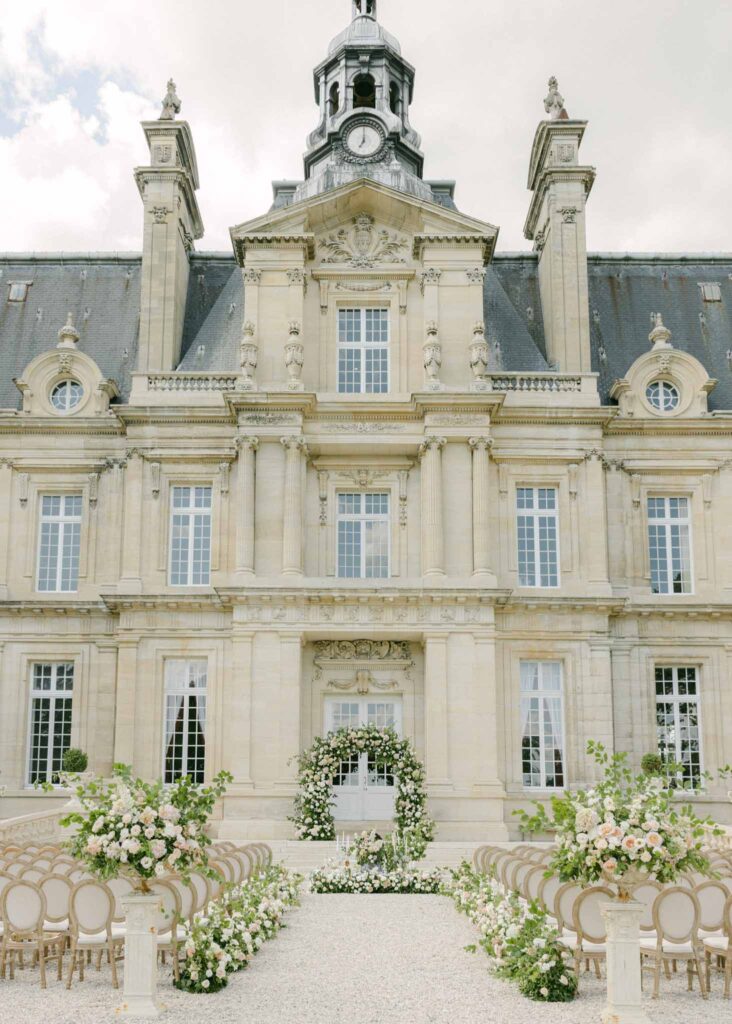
(364, 90)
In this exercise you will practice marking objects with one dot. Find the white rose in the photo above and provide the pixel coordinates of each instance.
(146, 863)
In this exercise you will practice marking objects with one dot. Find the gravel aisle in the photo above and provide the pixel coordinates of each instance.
(370, 959)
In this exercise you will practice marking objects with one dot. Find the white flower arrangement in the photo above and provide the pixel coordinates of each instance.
(224, 937)
(347, 879)
(626, 828)
(524, 947)
(142, 830)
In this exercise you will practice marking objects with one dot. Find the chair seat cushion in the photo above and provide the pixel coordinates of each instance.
(56, 926)
(717, 944)
(95, 939)
(669, 948)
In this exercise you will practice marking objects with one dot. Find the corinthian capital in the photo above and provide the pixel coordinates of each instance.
(432, 444)
(294, 443)
(481, 444)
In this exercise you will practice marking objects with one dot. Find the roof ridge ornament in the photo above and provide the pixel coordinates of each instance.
(68, 335)
(554, 102)
(660, 335)
(171, 103)
(364, 9)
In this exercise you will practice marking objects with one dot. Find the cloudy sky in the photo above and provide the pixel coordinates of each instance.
(652, 77)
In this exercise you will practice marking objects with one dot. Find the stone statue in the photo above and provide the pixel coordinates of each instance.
(554, 102)
(364, 7)
(432, 352)
(294, 357)
(171, 103)
(248, 353)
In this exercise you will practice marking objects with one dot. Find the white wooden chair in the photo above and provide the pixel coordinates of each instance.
(91, 911)
(676, 916)
(590, 943)
(712, 896)
(719, 947)
(548, 890)
(167, 921)
(32, 874)
(57, 891)
(23, 912)
(563, 904)
(202, 887)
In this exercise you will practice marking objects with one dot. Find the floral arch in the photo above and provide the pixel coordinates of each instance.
(313, 817)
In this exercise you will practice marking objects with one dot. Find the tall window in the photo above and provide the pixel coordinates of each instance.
(50, 719)
(669, 545)
(190, 537)
(363, 536)
(538, 536)
(677, 720)
(185, 720)
(363, 351)
(542, 742)
(60, 542)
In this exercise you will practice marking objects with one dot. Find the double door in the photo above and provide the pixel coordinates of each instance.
(363, 789)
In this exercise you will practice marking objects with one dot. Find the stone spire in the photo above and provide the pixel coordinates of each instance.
(68, 336)
(660, 336)
(171, 103)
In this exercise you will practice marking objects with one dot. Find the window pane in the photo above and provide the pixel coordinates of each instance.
(59, 543)
(349, 549)
(363, 351)
(185, 720)
(669, 545)
(677, 720)
(542, 743)
(50, 719)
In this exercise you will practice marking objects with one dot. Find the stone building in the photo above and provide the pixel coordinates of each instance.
(364, 468)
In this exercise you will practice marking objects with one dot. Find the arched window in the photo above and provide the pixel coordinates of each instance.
(364, 91)
(395, 99)
(334, 99)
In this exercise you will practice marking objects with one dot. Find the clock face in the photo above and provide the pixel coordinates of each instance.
(364, 140)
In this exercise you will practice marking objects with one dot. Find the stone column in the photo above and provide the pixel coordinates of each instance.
(141, 956)
(245, 505)
(130, 579)
(237, 752)
(289, 707)
(435, 709)
(292, 533)
(624, 996)
(6, 483)
(433, 541)
(481, 447)
(125, 702)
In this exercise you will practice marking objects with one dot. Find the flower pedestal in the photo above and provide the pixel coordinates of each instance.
(141, 955)
(622, 921)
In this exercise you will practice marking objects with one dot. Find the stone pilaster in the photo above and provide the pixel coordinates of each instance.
(130, 578)
(435, 709)
(125, 703)
(6, 483)
(290, 697)
(237, 704)
(245, 500)
(292, 532)
(481, 447)
(433, 539)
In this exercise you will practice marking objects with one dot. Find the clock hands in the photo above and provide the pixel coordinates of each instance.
(362, 143)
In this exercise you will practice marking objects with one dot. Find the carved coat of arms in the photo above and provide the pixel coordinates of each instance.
(363, 245)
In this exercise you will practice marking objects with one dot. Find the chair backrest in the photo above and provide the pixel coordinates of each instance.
(519, 874)
(78, 874)
(266, 852)
(5, 879)
(564, 902)
(63, 867)
(32, 874)
(478, 857)
(235, 864)
(646, 895)
(15, 868)
(247, 861)
(91, 907)
(187, 895)
(532, 882)
(712, 897)
(170, 905)
(258, 855)
(586, 917)
(676, 914)
(507, 868)
(727, 918)
(57, 891)
(43, 864)
(23, 908)
(119, 887)
(725, 877)
(223, 869)
(202, 887)
(224, 847)
(547, 893)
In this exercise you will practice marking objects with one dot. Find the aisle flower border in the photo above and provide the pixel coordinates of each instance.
(224, 936)
(313, 816)
(363, 881)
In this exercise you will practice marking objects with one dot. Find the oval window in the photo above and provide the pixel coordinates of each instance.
(662, 396)
(66, 395)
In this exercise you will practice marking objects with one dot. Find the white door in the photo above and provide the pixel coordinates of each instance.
(363, 790)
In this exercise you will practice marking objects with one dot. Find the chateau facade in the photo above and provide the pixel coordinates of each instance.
(365, 468)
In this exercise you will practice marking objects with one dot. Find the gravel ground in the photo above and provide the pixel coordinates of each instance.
(370, 959)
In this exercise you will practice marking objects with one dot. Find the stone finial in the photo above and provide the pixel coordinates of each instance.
(554, 102)
(68, 335)
(171, 103)
(660, 335)
(364, 7)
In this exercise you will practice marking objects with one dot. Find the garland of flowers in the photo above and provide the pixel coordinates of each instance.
(625, 829)
(313, 816)
(224, 937)
(142, 830)
(362, 881)
(523, 945)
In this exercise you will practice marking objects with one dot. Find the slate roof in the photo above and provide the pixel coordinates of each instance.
(103, 292)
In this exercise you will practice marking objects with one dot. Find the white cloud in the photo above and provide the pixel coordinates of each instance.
(652, 78)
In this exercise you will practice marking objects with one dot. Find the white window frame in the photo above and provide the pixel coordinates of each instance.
(67, 525)
(54, 694)
(676, 699)
(536, 518)
(363, 518)
(541, 695)
(363, 347)
(665, 523)
(178, 674)
(192, 512)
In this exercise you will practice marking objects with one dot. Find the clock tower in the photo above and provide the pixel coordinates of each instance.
(364, 89)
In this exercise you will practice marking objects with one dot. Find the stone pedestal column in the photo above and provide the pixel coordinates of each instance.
(141, 956)
(624, 996)
(292, 532)
(433, 541)
(245, 505)
(130, 580)
(481, 447)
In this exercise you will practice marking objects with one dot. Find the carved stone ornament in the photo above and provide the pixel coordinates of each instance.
(248, 355)
(476, 276)
(565, 152)
(569, 214)
(171, 103)
(296, 276)
(554, 102)
(366, 650)
(68, 336)
(252, 275)
(660, 336)
(431, 276)
(362, 476)
(432, 353)
(540, 241)
(161, 213)
(362, 682)
(162, 154)
(294, 357)
(363, 245)
(479, 354)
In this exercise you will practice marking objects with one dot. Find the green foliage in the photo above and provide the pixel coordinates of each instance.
(652, 764)
(365, 881)
(74, 761)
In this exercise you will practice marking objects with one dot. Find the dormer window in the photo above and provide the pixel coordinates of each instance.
(662, 396)
(334, 99)
(364, 91)
(18, 291)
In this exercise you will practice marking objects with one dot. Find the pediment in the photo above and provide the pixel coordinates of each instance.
(396, 221)
(685, 380)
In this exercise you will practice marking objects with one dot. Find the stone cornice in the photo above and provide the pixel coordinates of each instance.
(184, 181)
(461, 240)
(174, 414)
(298, 242)
(549, 176)
(719, 424)
(20, 423)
